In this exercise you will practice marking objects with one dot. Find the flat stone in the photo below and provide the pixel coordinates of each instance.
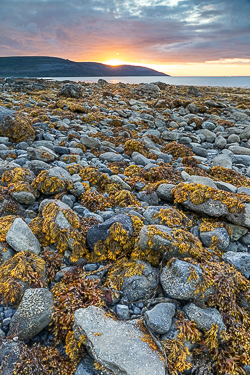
(91, 142)
(164, 192)
(111, 156)
(116, 345)
(21, 238)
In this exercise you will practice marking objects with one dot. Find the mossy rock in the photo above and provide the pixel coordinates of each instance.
(18, 129)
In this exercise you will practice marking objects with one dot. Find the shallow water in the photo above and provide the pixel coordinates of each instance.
(187, 81)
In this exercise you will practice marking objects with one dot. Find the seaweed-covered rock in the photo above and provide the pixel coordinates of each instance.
(119, 346)
(218, 236)
(53, 181)
(215, 203)
(183, 280)
(70, 90)
(135, 279)
(204, 318)
(156, 240)
(17, 129)
(100, 232)
(240, 260)
(33, 314)
(9, 355)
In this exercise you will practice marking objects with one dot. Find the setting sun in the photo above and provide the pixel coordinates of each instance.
(113, 62)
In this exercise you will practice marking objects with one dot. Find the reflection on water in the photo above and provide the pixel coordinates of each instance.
(188, 81)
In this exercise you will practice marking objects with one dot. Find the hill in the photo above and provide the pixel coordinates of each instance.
(42, 66)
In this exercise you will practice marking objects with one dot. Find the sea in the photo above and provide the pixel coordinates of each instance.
(186, 81)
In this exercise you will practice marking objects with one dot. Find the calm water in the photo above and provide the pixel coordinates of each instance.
(192, 81)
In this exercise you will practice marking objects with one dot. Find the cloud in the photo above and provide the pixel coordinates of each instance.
(156, 30)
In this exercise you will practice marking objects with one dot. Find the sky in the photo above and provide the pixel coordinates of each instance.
(181, 38)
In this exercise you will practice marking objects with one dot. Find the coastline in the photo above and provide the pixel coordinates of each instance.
(125, 224)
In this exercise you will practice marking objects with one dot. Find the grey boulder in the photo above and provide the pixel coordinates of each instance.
(21, 238)
(159, 319)
(139, 287)
(219, 234)
(241, 261)
(182, 280)
(33, 313)
(204, 318)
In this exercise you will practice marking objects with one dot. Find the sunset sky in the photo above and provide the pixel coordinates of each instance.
(185, 37)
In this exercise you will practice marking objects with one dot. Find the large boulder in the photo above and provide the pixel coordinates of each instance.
(204, 318)
(100, 232)
(160, 239)
(140, 286)
(119, 346)
(182, 280)
(148, 90)
(70, 90)
(33, 314)
(17, 129)
(240, 260)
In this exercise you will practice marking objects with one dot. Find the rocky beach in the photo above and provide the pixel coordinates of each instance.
(124, 229)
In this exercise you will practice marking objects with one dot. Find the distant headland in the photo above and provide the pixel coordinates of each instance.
(43, 66)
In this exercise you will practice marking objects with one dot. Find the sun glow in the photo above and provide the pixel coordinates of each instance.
(113, 62)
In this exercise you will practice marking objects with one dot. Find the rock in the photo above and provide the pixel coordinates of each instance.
(209, 136)
(244, 190)
(218, 235)
(116, 345)
(201, 180)
(116, 179)
(168, 135)
(24, 197)
(233, 138)
(9, 355)
(225, 186)
(241, 159)
(139, 159)
(245, 134)
(237, 232)
(6, 166)
(208, 125)
(17, 129)
(100, 231)
(138, 287)
(4, 111)
(70, 90)
(192, 90)
(33, 313)
(245, 240)
(36, 166)
(164, 192)
(204, 318)
(91, 142)
(21, 238)
(41, 153)
(159, 319)
(122, 312)
(240, 150)
(148, 90)
(87, 367)
(220, 142)
(241, 261)
(150, 198)
(111, 156)
(176, 282)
